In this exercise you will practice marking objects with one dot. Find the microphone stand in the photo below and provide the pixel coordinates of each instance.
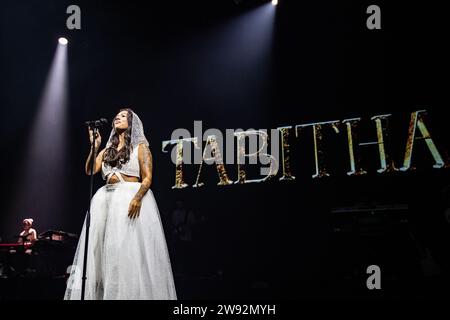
(88, 214)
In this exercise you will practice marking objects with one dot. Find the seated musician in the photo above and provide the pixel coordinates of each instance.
(28, 236)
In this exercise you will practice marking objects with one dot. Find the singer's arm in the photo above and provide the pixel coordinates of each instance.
(146, 168)
(95, 143)
(33, 236)
(98, 162)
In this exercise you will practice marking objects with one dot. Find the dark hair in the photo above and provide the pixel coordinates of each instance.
(116, 158)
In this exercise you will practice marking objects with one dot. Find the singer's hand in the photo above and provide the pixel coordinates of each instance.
(98, 139)
(134, 208)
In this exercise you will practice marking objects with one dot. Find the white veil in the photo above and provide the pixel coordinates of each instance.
(137, 133)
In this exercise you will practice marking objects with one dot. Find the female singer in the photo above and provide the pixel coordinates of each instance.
(127, 251)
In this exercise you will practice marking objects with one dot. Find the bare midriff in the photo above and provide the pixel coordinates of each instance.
(115, 179)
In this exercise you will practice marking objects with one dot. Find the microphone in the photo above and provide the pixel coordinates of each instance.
(96, 123)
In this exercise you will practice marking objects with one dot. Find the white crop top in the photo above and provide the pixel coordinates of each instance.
(131, 168)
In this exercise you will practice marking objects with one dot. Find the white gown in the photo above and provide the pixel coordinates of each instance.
(127, 259)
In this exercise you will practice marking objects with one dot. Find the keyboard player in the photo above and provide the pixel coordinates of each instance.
(28, 236)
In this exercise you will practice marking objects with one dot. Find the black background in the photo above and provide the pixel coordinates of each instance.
(163, 60)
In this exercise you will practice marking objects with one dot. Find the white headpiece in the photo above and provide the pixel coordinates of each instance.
(137, 132)
(28, 221)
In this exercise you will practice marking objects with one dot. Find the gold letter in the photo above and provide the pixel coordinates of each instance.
(318, 150)
(354, 165)
(416, 121)
(387, 165)
(241, 155)
(179, 182)
(285, 154)
(217, 158)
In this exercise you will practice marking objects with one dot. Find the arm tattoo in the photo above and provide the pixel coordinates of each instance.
(148, 161)
(148, 167)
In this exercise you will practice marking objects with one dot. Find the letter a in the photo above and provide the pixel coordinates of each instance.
(73, 21)
(374, 20)
(374, 281)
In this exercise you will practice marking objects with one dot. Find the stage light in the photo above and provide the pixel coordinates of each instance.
(63, 41)
(46, 153)
(274, 2)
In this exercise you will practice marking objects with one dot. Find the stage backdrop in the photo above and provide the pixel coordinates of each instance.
(248, 65)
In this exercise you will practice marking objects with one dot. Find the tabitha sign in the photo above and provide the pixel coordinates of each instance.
(252, 147)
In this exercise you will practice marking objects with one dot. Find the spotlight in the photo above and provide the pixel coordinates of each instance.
(274, 2)
(63, 41)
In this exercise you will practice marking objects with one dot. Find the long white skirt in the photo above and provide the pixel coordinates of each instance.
(127, 259)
